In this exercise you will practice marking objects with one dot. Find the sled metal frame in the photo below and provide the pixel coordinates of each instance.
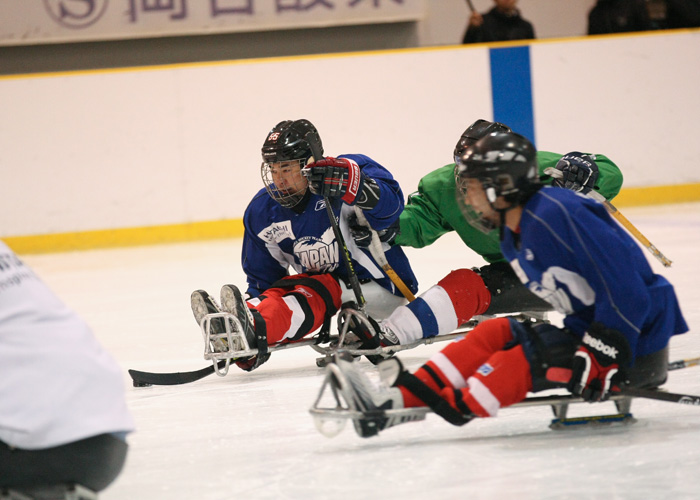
(344, 340)
(559, 404)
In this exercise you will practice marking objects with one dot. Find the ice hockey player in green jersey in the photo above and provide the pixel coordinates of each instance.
(434, 210)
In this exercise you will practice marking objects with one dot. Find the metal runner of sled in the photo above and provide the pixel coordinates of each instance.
(330, 420)
(231, 345)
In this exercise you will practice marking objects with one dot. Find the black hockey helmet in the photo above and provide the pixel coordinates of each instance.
(505, 164)
(476, 131)
(287, 149)
(291, 140)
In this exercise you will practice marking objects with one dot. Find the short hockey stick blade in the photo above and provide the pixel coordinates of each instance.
(146, 379)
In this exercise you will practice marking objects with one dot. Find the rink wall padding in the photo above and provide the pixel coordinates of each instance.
(171, 153)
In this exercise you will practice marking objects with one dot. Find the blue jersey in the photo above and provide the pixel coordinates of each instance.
(279, 240)
(571, 253)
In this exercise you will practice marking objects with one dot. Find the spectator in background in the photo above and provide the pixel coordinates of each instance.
(618, 16)
(501, 23)
(673, 14)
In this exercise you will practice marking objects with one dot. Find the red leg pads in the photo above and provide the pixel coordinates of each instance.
(468, 293)
(280, 319)
(503, 380)
(462, 358)
(472, 351)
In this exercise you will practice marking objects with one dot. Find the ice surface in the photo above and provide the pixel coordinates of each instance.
(249, 435)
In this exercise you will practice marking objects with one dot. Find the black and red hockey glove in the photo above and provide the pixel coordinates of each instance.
(599, 363)
(335, 178)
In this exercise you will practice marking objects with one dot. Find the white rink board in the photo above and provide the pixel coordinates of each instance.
(136, 148)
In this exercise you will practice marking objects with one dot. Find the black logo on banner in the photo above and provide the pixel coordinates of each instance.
(75, 14)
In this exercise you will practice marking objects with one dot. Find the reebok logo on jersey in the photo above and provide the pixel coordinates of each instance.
(600, 346)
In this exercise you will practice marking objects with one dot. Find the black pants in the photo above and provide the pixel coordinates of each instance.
(93, 462)
(508, 294)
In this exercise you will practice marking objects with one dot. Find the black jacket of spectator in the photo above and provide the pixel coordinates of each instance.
(682, 14)
(499, 27)
(618, 16)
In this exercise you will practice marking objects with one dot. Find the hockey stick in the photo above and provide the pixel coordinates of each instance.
(352, 276)
(145, 379)
(660, 395)
(562, 376)
(683, 363)
(470, 5)
(375, 248)
(630, 227)
(557, 174)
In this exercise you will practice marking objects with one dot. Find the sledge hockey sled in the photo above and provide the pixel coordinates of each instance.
(226, 347)
(331, 409)
(231, 344)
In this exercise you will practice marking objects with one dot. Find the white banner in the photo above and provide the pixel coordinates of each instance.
(24, 22)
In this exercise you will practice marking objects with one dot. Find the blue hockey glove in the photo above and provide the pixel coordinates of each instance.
(580, 172)
(599, 363)
(335, 178)
(363, 235)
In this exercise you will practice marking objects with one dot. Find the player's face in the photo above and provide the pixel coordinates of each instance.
(287, 177)
(475, 196)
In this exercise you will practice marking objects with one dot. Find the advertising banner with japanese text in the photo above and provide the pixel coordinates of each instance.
(25, 22)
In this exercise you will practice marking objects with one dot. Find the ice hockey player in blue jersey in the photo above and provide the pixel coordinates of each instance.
(565, 247)
(297, 279)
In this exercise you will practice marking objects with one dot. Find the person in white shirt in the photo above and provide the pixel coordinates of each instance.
(63, 412)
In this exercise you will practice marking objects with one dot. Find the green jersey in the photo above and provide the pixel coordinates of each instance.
(433, 210)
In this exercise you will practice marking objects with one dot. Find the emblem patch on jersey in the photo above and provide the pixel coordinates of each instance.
(318, 254)
(320, 205)
(529, 255)
(485, 370)
(276, 232)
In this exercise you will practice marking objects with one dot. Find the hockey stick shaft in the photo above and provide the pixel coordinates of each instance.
(635, 232)
(563, 375)
(671, 397)
(624, 222)
(683, 363)
(142, 378)
(352, 275)
(377, 252)
(470, 5)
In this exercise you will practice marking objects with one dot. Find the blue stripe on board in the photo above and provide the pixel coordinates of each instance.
(424, 315)
(511, 89)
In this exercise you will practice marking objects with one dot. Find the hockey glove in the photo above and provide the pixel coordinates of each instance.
(599, 363)
(580, 172)
(363, 235)
(335, 178)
